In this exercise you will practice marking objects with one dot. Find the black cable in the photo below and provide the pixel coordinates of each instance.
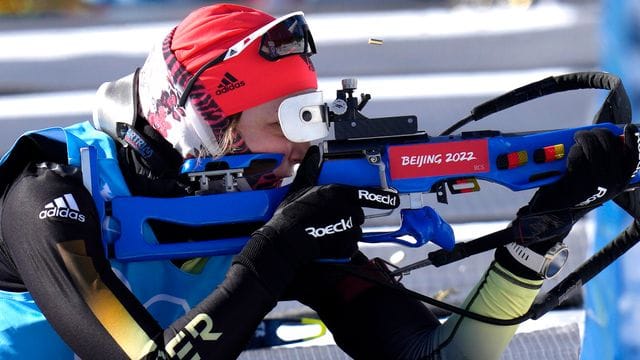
(554, 297)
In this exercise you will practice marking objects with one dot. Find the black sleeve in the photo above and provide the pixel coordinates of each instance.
(367, 320)
(51, 231)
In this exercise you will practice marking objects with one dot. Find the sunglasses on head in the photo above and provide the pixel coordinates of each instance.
(284, 36)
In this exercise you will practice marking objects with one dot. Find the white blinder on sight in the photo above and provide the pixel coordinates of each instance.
(303, 117)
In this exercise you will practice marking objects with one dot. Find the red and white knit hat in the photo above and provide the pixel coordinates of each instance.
(234, 85)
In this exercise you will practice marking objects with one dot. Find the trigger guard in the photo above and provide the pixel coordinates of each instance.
(423, 225)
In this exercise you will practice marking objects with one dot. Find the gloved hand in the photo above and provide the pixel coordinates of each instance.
(599, 167)
(313, 222)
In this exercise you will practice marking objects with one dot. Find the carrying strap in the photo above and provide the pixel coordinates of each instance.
(616, 108)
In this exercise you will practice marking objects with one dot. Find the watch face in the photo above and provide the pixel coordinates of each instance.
(557, 262)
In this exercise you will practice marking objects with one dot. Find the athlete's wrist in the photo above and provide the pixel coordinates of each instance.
(262, 256)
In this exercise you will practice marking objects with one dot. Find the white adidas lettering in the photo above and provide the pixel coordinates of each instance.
(64, 206)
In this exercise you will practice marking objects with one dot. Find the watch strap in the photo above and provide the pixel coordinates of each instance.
(526, 257)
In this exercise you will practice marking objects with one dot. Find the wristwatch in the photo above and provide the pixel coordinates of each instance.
(547, 265)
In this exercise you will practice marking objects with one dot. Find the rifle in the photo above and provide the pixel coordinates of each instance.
(389, 153)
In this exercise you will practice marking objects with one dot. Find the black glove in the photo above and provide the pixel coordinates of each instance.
(313, 222)
(599, 167)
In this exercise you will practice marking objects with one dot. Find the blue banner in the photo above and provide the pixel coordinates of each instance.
(612, 298)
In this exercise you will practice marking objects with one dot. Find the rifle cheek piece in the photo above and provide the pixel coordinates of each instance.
(304, 117)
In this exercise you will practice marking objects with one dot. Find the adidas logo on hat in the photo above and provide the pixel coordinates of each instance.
(228, 83)
(63, 207)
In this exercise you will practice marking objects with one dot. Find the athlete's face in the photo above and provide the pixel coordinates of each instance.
(261, 131)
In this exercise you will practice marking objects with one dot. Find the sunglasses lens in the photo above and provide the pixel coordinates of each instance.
(289, 37)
